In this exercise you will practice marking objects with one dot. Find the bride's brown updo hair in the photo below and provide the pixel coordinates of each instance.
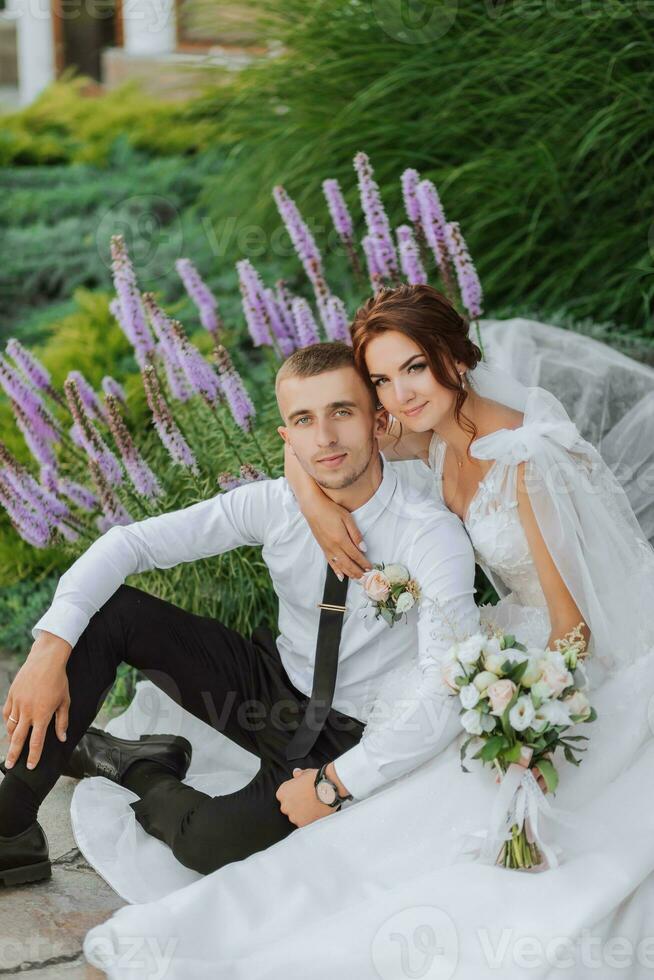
(427, 317)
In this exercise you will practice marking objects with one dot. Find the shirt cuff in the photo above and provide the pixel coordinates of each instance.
(64, 620)
(357, 773)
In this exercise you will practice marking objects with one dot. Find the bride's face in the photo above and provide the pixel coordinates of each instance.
(405, 384)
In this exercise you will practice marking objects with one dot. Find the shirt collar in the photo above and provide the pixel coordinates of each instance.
(365, 515)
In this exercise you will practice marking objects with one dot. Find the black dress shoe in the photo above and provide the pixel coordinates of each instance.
(98, 753)
(25, 857)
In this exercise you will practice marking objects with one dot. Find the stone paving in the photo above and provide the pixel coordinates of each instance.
(42, 925)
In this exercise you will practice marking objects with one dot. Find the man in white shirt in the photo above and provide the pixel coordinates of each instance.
(95, 622)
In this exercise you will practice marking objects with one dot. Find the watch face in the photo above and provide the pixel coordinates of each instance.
(326, 792)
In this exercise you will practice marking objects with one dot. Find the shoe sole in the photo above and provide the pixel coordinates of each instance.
(21, 876)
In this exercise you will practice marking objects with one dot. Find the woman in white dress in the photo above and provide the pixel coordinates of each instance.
(392, 888)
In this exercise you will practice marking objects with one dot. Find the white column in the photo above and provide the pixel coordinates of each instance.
(149, 27)
(35, 46)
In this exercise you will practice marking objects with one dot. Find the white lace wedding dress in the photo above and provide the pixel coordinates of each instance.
(389, 887)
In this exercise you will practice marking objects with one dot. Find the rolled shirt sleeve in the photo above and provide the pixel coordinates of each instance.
(209, 527)
(413, 717)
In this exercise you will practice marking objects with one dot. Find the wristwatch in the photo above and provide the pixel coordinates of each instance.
(327, 790)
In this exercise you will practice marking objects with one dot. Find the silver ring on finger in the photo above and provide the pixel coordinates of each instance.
(335, 559)
(15, 720)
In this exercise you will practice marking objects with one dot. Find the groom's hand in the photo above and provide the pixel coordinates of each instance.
(39, 691)
(298, 800)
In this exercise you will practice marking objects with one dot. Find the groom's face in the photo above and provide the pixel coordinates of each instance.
(331, 425)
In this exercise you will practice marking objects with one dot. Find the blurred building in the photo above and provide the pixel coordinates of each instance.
(166, 44)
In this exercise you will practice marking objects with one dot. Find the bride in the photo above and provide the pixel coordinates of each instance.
(392, 888)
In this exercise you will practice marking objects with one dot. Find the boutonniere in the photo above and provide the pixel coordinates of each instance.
(390, 590)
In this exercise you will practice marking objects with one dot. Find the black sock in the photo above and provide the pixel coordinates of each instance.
(19, 806)
(145, 773)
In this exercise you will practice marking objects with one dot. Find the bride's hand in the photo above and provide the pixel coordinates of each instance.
(332, 525)
(340, 539)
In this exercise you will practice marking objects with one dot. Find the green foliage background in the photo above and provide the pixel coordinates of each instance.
(534, 122)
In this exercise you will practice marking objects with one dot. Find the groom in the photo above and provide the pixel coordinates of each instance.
(300, 702)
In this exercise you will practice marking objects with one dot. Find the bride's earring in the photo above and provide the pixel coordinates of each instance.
(461, 373)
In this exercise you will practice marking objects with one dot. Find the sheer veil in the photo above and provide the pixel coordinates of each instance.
(584, 515)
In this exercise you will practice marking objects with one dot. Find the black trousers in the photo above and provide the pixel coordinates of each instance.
(236, 685)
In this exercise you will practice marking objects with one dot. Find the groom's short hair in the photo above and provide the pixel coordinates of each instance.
(306, 362)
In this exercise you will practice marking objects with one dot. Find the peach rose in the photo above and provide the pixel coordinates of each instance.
(376, 585)
(499, 695)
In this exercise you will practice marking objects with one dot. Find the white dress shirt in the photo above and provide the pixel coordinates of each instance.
(401, 523)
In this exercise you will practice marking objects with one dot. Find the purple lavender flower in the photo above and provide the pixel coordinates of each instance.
(227, 481)
(469, 284)
(377, 221)
(306, 327)
(339, 324)
(305, 246)
(374, 269)
(179, 389)
(111, 387)
(79, 494)
(144, 481)
(182, 353)
(131, 316)
(37, 445)
(412, 266)
(39, 417)
(90, 400)
(201, 295)
(91, 439)
(285, 338)
(50, 478)
(32, 527)
(113, 510)
(338, 209)
(31, 367)
(167, 429)
(410, 180)
(253, 304)
(433, 223)
(285, 307)
(39, 501)
(240, 404)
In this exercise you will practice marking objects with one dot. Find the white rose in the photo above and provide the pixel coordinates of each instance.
(488, 723)
(405, 601)
(555, 713)
(483, 679)
(539, 722)
(514, 656)
(555, 673)
(542, 690)
(471, 721)
(491, 646)
(499, 694)
(493, 662)
(396, 574)
(522, 713)
(450, 670)
(469, 696)
(469, 651)
(578, 704)
(534, 670)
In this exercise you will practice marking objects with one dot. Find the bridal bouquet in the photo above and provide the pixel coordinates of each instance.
(390, 590)
(519, 703)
